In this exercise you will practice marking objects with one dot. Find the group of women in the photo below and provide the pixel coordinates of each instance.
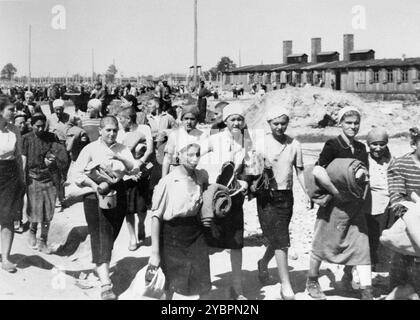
(353, 208)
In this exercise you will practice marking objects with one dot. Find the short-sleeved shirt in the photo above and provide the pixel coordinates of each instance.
(282, 157)
(403, 179)
(178, 137)
(98, 152)
(339, 148)
(142, 131)
(10, 141)
(224, 147)
(178, 196)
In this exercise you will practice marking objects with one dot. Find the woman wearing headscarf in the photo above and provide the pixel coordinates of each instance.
(281, 154)
(178, 243)
(379, 218)
(11, 180)
(341, 235)
(187, 132)
(233, 145)
(403, 180)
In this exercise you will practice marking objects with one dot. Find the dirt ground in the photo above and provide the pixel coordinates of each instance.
(58, 276)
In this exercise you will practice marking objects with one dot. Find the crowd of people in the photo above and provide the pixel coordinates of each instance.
(136, 152)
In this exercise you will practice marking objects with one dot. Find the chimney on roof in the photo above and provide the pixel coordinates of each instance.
(348, 46)
(315, 49)
(287, 49)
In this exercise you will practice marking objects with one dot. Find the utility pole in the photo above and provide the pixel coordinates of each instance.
(93, 66)
(29, 59)
(195, 45)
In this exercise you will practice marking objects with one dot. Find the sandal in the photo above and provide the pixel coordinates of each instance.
(107, 293)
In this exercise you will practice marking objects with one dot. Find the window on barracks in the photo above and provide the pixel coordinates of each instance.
(404, 75)
(376, 76)
(390, 76)
(362, 76)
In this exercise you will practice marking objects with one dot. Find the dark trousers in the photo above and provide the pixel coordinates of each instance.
(104, 225)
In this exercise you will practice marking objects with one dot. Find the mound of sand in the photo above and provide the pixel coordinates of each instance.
(309, 106)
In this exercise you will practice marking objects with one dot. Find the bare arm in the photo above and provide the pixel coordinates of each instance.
(324, 180)
(301, 179)
(155, 235)
(166, 163)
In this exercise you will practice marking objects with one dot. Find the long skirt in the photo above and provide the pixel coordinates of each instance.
(341, 234)
(11, 190)
(184, 256)
(41, 200)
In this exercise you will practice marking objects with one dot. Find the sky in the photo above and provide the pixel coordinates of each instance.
(156, 36)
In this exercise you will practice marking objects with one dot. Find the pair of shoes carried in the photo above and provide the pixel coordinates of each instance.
(263, 274)
(314, 290)
(236, 296)
(9, 267)
(107, 293)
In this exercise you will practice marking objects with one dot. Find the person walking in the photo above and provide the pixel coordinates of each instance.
(11, 180)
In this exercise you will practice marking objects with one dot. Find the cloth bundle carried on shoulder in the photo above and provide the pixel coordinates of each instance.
(343, 173)
(216, 203)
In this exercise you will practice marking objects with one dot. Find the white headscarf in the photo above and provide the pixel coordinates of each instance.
(343, 111)
(235, 107)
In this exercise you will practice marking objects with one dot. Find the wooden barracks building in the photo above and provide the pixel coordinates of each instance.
(358, 71)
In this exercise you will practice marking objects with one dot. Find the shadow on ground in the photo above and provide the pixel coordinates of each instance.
(76, 236)
(125, 271)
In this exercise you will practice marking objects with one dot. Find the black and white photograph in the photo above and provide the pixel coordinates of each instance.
(230, 150)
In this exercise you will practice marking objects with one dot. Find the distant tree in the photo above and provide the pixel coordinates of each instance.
(8, 71)
(110, 73)
(224, 64)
